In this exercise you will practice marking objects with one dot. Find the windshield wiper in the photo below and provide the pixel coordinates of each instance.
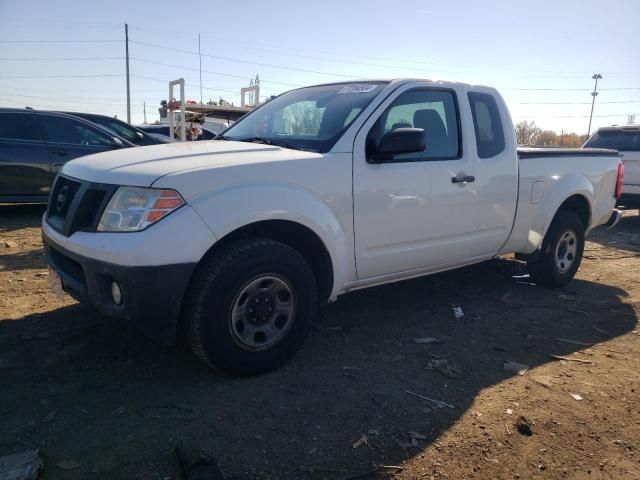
(285, 144)
(222, 137)
(263, 140)
(272, 141)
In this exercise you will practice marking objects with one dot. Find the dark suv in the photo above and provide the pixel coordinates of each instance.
(133, 134)
(35, 144)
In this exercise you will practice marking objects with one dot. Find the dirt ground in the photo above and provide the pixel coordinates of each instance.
(96, 394)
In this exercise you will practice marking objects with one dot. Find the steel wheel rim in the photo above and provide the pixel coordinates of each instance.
(566, 251)
(262, 312)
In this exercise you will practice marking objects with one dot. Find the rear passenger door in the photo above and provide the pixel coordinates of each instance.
(69, 138)
(25, 170)
(496, 185)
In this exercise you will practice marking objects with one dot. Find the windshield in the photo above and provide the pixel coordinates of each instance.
(121, 129)
(622, 140)
(310, 118)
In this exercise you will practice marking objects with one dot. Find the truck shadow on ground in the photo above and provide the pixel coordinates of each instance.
(16, 217)
(624, 236)
(121, 402)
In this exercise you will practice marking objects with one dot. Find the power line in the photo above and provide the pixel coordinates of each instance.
(288, 48)
(63, 76)
(218, 57)
(56, 59)
(575, 103)
(58, 25)
(73, 100)
(571, 116)
(80, 94)
(231, 59)
(570, 89)
(187, 84)
(288, 53)
(366, 64)
(182, 67)
(60, 41)
(48, 105)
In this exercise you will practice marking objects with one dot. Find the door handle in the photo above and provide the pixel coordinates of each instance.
(60, 151)
(463, 179)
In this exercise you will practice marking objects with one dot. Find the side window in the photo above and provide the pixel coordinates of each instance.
(434, 111)
(67, 130)
(487, 124)
(19, 126)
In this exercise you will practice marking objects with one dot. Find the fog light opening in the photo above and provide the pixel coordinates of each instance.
(116, 293)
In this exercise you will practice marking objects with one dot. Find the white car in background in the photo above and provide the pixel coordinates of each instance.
(626, 140)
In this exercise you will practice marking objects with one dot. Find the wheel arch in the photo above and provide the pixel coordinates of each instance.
(293, 234)
(579, 205)
(572, 193)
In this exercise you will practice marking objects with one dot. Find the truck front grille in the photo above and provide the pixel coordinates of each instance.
(75, 205)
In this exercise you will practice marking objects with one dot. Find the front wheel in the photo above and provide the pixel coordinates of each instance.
(250, 306)
(561, 252)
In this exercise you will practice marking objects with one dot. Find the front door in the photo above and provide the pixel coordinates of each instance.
(414, 211)
(68, 138)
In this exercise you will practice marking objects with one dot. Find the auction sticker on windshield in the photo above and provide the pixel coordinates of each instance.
(358, 88)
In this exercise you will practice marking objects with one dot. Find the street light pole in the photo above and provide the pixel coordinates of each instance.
(596, 77)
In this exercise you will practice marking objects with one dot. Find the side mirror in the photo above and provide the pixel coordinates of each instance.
(116, 142)
(139, 135)
(400, 140)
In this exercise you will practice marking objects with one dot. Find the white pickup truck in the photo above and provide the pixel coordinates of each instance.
(626, 140)
(321, 191)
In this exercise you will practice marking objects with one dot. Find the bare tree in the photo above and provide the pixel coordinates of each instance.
(527, 133)
(546, 138)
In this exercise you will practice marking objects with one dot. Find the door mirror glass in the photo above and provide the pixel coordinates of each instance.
(398, 141)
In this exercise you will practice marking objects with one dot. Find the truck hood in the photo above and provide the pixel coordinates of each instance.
(142, 166)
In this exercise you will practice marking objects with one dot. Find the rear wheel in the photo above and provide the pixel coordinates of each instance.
(250, 306)
(561, 252)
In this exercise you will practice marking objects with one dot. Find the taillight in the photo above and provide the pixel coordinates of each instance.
(619, 180)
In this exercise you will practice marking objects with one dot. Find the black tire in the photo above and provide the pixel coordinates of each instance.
(220, 284)
(548, 269)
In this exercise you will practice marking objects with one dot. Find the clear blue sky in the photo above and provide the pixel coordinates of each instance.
(517, 47)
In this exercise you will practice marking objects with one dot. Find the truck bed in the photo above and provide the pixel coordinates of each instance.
(530, 152)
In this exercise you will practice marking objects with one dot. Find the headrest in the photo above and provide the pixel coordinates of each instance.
(430, 121)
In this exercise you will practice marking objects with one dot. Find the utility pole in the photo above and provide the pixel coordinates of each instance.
(144, 111)
(126, 41)
(200, 56)
(594, 94)
(562, 137)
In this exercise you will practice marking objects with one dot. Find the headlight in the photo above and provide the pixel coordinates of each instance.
(134, 208)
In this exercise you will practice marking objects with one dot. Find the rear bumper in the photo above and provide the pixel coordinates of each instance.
(151, 295)
(615, 217)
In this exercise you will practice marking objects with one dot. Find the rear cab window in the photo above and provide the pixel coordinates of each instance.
(616, 139)
(19, 126)
(487, 124)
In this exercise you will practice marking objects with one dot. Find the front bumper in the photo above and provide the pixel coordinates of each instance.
(151, 295)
